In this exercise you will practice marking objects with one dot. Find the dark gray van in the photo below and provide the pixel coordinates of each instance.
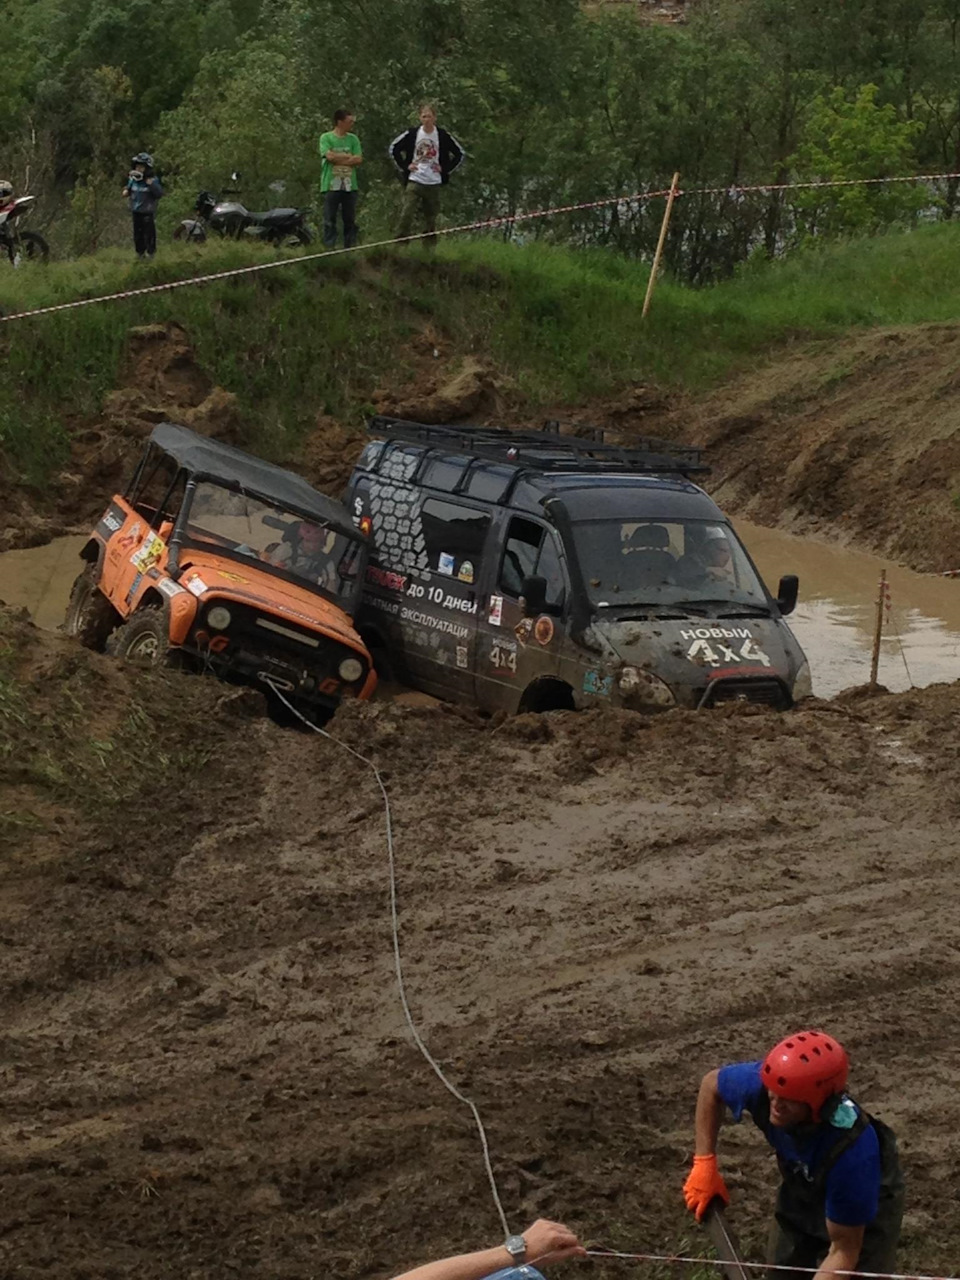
(531, 571)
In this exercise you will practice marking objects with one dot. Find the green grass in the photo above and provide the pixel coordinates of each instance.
(323, 336)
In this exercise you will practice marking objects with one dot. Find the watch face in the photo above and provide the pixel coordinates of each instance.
(516, 1246)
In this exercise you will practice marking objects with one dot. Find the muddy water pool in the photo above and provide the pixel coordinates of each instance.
(834, 618)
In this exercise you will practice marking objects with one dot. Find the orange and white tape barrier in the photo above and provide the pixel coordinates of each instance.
(482, 225)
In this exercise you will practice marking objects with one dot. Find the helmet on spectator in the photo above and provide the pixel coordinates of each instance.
(144, 158)
(809, 1067)
(6, 189)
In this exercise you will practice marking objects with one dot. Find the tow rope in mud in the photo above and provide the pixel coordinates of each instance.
(615, 1255)
(505, 220)
(397, 961)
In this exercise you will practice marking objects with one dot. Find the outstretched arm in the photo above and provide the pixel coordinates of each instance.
(546, 1242)
(709, 1115)
(844, 1254)
(704, 1183)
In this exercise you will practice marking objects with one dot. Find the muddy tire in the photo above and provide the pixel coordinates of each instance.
(90, 616)
(144, 639)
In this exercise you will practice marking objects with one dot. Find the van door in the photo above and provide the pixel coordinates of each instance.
(514, 651)
(438, 617)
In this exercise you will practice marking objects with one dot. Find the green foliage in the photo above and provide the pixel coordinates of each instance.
(849, 138)
(323, 337)
(556, 105)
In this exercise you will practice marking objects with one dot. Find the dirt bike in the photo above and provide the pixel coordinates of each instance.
(19, 245)
(230, 219)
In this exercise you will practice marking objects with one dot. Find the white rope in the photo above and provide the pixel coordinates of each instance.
(618, 1255)
(397, 962)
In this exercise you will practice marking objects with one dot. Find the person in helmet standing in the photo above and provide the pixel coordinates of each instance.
(144, 192)
(841, 1197)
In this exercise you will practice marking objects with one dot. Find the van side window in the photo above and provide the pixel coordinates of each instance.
(519, 554)
(531, 549)
(453, 535)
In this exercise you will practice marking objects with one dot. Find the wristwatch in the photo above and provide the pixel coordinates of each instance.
(516, 1246)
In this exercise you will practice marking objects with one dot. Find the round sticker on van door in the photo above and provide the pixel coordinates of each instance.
(543, 629)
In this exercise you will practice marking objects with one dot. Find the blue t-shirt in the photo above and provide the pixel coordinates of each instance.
(852, 1185)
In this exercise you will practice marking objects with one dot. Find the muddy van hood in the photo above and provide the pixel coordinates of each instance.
(689, 652)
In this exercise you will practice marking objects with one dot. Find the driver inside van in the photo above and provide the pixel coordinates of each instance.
(307, 552)
(709, 559)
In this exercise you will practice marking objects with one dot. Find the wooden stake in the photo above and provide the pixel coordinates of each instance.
(660, 243)
(878, 632)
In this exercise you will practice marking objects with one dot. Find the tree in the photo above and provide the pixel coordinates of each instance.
(845, 139)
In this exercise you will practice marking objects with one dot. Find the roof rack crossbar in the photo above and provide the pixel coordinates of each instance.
(544, 451)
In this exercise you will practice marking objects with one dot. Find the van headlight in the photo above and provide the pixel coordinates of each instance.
(219, 617)
(803, 684)
(350, 669)
(641, 688)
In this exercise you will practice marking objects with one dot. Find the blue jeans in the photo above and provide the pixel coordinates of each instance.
(346, 202)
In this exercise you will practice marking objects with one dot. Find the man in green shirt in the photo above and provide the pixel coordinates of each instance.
(341, 153)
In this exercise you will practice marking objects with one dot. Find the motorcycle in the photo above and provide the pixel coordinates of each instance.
(230, 219)
(20, 245)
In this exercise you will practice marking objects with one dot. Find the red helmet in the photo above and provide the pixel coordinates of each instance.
(807, 1067)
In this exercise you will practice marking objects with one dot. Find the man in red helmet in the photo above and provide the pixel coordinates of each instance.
(841, 1198)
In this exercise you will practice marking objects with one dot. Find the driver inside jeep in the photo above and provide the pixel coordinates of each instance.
(307, 551)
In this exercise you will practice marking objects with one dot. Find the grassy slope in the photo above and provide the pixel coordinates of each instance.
(322, 336)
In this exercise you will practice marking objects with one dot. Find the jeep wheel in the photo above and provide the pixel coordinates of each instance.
(90, 616)
(144, 639)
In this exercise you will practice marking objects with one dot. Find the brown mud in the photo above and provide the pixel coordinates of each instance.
(205, 1069)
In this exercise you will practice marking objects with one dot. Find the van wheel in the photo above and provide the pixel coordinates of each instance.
(547, 695)
(90, 616)
(145, 640)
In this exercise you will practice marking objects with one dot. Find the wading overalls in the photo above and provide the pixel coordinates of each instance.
(798, 1237)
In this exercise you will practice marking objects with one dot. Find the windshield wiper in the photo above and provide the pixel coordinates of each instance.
(737, 608)
(646, 609)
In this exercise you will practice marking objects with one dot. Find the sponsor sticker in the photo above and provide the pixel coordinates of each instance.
(148, 554)
(543, 629)
(496, 611)
(462, 657)
(466, 571)
(197, 585)
(600, 686)
(170, 588)
(447, 564)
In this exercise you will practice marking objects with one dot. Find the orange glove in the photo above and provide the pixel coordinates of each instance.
(703, 1184)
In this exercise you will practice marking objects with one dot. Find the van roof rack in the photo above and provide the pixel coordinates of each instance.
(547, 449)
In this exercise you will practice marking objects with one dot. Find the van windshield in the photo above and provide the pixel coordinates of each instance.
(247, 527)
(664, 563)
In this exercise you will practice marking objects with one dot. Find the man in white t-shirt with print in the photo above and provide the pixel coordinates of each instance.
(425, 156)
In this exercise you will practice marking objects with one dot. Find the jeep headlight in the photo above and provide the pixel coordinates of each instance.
(803, 684)
(219, 617)
(350, 669)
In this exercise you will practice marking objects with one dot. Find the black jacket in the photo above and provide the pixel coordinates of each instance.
(402, 147)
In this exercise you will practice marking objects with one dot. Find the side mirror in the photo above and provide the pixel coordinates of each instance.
(533, 596)
(787, 593)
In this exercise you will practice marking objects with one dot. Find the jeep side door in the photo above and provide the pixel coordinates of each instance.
(515, 651)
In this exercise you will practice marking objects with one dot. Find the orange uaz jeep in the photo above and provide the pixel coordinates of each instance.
(216, 560)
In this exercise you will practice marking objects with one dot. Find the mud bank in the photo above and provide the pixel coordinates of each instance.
(205, 1068)
(856, 438)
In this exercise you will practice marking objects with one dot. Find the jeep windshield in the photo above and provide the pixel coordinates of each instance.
(667, 566)
(245, 527)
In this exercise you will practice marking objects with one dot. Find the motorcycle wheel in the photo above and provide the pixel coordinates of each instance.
(29, 246)
(196, 234)
(296, 238)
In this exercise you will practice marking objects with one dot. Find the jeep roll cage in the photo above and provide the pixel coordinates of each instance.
(222, 464)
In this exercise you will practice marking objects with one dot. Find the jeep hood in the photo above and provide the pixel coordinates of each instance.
(207, 576)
